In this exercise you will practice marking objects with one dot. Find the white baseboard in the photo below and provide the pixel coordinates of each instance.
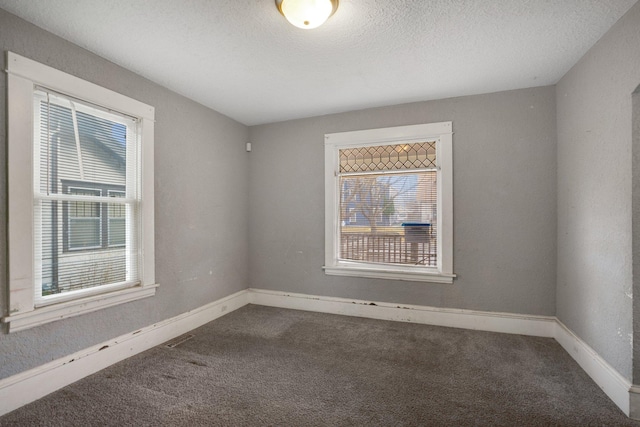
(33, 384)
(634, 402)
(618, 388)
(540, 326)
(27, 386)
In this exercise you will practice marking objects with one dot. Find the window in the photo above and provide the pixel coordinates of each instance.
(389, 203)
(80, 168)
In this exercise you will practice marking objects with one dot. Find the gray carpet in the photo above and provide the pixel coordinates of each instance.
(263, 366)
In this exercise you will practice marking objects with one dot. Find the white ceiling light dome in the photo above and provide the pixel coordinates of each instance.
(307, 14)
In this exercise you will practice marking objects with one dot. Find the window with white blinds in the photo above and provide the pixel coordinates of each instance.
(80, 196)
(87, 199)
(388, 206)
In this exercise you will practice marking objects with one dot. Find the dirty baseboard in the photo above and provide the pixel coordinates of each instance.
(523, 324)
(615, 386)
(30, 385)
(25, 387)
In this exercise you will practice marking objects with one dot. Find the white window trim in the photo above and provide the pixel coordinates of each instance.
(22, 76)
(443, 135)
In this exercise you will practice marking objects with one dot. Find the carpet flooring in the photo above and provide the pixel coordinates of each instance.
(262, 366)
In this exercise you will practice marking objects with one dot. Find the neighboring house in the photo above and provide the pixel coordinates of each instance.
(84, 155)
(367, 203)
(385, 202)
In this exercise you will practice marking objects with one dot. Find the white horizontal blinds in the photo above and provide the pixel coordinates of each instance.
(116, 221)
(86, 196)
(388, 204)
(84, 220)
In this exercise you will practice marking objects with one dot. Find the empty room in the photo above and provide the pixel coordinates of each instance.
(319, 212)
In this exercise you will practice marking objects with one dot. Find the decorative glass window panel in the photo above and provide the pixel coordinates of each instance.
(388, 157)
(390, 215)
(388, 203)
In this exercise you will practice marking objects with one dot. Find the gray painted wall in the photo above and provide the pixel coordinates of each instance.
(594, 285)
(201, 205)
(513, 220)
(635, 233)
(504, 160)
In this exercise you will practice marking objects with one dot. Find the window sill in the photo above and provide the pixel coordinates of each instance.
(391, 274)
(42, 315)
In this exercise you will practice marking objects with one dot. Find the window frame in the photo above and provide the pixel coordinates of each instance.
(23, 75)
(443, 135)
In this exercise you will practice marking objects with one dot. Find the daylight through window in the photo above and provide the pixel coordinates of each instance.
(81, 196)
(388, 206)
(86, 164)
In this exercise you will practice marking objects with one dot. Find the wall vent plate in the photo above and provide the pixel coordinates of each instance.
(177, 341)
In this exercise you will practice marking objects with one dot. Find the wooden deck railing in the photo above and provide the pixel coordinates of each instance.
(387, 248)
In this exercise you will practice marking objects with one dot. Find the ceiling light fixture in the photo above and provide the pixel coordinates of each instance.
(307, 14)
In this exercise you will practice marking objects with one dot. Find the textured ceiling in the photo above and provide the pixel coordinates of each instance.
(243, 59)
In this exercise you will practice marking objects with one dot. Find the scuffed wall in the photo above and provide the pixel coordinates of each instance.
(201, 207)
(504, 190)
(594, 105)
